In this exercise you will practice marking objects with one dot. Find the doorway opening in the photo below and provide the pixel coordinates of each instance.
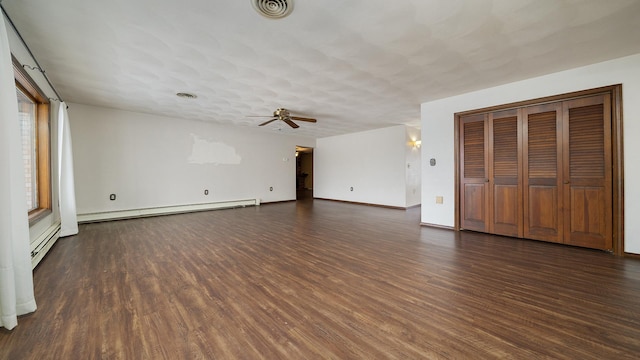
(304, 172)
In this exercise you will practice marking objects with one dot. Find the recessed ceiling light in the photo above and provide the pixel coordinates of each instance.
(186, 95)
(273, 9)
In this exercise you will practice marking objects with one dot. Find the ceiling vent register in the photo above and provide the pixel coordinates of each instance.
(273, 9)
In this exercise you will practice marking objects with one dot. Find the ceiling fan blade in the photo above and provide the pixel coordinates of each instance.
(291, 123)
(259, 116)
(303, 119)
(268, 122)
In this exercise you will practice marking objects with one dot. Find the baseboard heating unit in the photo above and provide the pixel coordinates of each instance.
(164, 210)
(43, 243)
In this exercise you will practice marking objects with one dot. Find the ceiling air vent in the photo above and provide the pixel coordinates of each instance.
(273, 9)
(186, 95)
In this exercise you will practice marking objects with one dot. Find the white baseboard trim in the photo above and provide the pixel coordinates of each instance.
(446, 227)
(43, 243)
(164, 210)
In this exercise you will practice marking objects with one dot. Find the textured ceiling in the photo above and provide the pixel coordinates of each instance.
(354, 65)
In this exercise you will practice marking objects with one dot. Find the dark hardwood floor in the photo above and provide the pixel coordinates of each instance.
(322, 280)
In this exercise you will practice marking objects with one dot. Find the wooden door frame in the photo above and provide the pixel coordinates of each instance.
(617, 160)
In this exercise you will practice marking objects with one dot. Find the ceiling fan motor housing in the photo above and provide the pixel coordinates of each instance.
(281, 113)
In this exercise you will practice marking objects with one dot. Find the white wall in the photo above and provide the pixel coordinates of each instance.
(147, 161)
(413, 168)
(373, 162)
(438, 133)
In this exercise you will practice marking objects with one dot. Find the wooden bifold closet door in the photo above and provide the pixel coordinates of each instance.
(474, 184)
(587, 178)
(542, 161)
(540, 172)
(505, 173)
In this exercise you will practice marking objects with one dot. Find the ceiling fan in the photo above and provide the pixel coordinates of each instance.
(285, 115)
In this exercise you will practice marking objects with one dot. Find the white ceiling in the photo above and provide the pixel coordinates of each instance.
(354, 65)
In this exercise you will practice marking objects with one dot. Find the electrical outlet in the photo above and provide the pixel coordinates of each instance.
(351, 188)
(112, 197)
(206, 191)
(270, 188)
(439, 200)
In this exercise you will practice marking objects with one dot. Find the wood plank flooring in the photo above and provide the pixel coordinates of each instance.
(322, 280)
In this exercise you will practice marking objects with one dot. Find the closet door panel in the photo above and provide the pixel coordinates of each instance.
(506, 173)
(588, 219)
(587, 172)
(543, 213)
(505, 210)
(474, 173)
(474, 215)
(542, 169)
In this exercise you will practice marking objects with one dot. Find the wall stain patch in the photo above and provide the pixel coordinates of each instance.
(211, 152)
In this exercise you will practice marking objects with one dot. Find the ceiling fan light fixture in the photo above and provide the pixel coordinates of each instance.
(273, 9)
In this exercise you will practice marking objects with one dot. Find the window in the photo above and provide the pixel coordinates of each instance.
(33, 114)
(27, 118)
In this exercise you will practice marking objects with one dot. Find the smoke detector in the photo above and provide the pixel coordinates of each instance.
(273, 9)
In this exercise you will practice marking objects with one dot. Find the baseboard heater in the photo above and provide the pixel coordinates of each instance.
(163, 210)
(43, 243)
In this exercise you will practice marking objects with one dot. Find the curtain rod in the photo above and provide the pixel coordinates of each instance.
(30, 53)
